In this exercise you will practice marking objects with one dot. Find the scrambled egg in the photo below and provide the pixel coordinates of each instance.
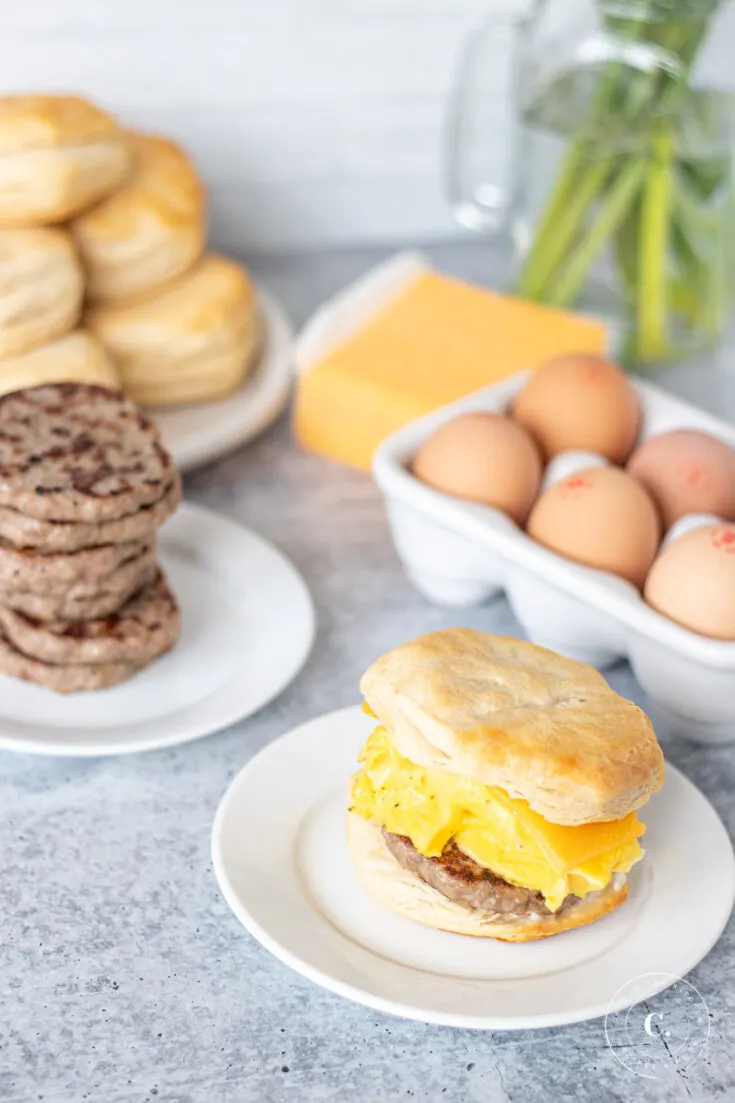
(431, 807)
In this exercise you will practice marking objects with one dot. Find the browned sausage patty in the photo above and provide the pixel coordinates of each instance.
(79, 453)
(22, 531)
(145, 627)
(462, 879)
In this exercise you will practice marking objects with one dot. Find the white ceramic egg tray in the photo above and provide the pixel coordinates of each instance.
(458, 554)
(461, 554)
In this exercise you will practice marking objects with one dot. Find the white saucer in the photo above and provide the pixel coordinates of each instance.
(196, 435)
(280, 857)
(247, 628)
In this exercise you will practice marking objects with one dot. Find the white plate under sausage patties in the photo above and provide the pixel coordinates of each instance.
(247, 626)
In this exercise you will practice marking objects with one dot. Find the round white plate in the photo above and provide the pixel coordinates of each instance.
(247, 624)
(282, 863)
(195, 435)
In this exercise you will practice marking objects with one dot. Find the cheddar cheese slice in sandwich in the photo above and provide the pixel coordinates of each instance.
(497, 796)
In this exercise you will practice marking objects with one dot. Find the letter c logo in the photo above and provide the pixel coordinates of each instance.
(647, 1022)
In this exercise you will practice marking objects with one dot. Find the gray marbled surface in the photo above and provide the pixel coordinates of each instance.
(124, 977)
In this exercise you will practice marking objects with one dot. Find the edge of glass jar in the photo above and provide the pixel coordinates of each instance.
(659, 11)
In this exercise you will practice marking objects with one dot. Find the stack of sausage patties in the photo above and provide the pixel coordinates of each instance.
(84, 486)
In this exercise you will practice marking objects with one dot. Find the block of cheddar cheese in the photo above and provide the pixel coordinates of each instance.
(373, 368)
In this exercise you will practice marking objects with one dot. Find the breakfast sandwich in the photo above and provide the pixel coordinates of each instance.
(497, 796)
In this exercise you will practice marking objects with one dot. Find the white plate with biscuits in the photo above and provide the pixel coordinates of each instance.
(294, 887)
(199, 434)
(247, 627)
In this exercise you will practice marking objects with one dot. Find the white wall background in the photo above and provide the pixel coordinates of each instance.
(314, 122)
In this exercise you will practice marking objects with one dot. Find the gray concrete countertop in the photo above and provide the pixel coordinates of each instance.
(125, 978)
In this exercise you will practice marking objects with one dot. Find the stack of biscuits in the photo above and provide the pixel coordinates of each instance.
(105, 229)
(84, 486)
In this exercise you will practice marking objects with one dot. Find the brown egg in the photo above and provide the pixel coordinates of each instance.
(580, 402)
(600, 517)
(485, 458)
(692, 581)
(686, 472)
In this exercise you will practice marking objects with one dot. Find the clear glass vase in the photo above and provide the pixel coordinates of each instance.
(619, 193)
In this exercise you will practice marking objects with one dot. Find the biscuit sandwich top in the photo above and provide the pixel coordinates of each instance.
(511, 715)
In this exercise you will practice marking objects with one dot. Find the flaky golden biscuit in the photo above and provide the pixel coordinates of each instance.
(58, 155)
(509, 714)
(150, 231)
(41, 288)
(407, 894)
(76, 358)
(193, 342)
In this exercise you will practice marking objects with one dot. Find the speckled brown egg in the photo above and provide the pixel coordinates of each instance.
(580, 402)
(686, 472)
(483, 457)
(692, 581)
(601, 517)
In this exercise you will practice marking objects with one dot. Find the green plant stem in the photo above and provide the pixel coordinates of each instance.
(579, 182)
(558, 234)
(633, 193)
(698, 223)
(652, 293)
(626, 250)
(621, 195)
